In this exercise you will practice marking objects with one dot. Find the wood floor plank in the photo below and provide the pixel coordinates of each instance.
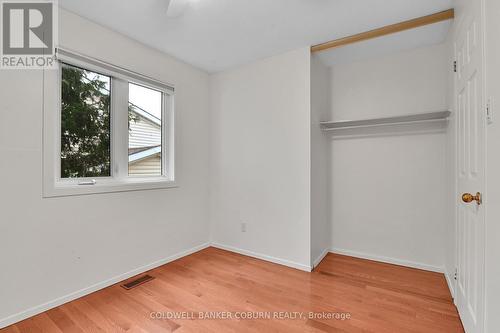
(46, 324)
(378, 297)
(63, 321)
(11, 329)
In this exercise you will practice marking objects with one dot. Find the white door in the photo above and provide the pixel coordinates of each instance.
(471, 133)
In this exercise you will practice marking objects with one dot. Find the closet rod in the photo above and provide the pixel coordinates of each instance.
(397, 120)
(387, 30)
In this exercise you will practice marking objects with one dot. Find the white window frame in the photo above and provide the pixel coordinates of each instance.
(119, 181)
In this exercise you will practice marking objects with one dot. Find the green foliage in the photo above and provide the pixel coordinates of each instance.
(85, 124)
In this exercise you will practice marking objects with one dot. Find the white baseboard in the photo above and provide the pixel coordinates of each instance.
(451, 285)
(389, 260)
(4, 322)
(263, 257)
(320, 258)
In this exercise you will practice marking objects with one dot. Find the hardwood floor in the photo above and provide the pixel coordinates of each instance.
(378, 297)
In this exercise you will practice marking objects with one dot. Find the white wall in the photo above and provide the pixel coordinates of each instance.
(407, 82)
(320, 191)
(55, 247)
(389, 190)
(492, 197)
(260, 158)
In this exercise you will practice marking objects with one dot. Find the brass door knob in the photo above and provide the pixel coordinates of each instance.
(468, 198)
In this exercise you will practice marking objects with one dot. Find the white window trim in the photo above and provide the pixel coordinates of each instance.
(120, 181)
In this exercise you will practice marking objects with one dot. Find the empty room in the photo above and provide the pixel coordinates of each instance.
(250, 166)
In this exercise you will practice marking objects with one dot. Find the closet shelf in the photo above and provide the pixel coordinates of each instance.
(407, 119)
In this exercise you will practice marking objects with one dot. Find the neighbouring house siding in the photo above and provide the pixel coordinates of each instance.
(147, 166)
(144, 133)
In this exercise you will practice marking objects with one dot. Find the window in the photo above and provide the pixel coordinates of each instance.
(85, 123)
(144, 138)
(106, 129)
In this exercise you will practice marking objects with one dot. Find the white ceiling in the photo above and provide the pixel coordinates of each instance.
(219, 34)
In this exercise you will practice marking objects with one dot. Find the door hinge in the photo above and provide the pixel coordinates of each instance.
(455, 276)
(455, 66)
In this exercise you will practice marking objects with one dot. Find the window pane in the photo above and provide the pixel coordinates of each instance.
(144, 151)
(85, 123)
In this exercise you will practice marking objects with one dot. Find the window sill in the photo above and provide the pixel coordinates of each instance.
(64, 188)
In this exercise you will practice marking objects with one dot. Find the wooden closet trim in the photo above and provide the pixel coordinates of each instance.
(387, 30)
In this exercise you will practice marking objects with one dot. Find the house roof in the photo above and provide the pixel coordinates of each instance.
(132, 151)
(137, 154)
